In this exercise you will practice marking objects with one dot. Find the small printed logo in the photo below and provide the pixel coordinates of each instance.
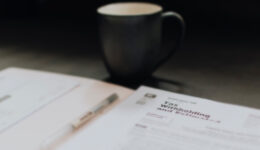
(145, 98)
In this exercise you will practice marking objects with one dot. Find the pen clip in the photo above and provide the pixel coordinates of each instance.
(83, 119)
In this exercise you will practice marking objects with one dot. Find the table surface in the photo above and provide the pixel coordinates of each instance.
(210, 67)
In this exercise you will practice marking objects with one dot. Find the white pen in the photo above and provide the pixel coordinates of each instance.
(79, 121)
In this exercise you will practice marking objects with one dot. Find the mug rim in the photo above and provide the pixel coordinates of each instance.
(100, 11)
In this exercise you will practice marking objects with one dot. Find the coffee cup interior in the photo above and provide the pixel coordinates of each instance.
(129, 8)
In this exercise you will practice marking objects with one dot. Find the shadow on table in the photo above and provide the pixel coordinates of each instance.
(155, 82)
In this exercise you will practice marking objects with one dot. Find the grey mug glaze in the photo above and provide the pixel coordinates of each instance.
(132, 44)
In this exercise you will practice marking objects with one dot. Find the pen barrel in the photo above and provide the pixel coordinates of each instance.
(96, 110)
(83, 119)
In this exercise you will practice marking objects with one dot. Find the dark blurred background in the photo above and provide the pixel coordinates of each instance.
(220, 57)
(217, 19)
(211, 14)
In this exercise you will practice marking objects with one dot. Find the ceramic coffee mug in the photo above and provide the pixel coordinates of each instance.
(131, 39)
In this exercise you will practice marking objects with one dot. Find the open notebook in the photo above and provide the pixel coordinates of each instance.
(34, 104)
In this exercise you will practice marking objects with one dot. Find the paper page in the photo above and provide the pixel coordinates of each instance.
(30, 132)
(153, 119)
(21, 95)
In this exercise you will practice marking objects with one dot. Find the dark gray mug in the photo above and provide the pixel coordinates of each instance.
(131, 39)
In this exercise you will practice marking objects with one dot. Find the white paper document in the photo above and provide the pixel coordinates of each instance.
(21, 95)
(152, 119)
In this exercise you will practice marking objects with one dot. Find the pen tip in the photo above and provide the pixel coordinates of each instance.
(113, 97)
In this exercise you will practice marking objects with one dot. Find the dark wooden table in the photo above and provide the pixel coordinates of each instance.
(207, 66)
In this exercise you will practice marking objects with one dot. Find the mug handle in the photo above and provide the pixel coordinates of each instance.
(164, 56)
